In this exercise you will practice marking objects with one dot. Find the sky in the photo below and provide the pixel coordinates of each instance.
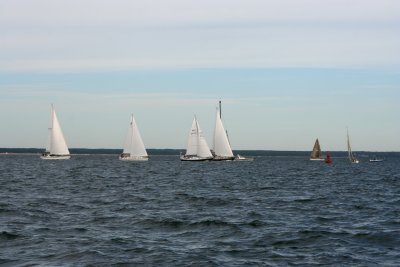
(287, 72)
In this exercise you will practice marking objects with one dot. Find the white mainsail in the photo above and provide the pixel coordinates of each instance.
(197, 147)
(222, 148)
(56, 145)
(134, 148)
(350, 153)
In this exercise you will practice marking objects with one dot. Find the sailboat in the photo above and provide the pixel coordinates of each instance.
(316, 153)
(352, 158)
(375, 159)
(134, 149)
(56, 146)
(197, 148)
(222, 148)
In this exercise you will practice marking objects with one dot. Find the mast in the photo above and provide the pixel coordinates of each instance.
(198, 136)
(220, 110)
(348, 146)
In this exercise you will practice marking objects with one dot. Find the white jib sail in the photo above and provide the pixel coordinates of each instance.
(134, 144)
(57, 144)
(222, 147)
(197, 144)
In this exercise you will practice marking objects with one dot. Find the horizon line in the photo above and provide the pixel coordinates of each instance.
(270, 150)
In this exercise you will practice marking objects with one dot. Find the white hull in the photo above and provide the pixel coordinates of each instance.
(317, 159)
(241, 158)
(220, 158)
(375, 160)
(193, 158)
(138, 158)
(56, 157)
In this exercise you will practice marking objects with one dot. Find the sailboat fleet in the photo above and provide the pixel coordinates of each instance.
(197, 148)
(316, 153)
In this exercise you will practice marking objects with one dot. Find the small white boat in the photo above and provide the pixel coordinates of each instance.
(375, 159)
(316, 154)
(221, 149)
(197, 148)
(242, 158)
(56, 146)
(134, 149)
(351, 157)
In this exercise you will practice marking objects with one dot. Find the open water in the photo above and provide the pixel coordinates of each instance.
(95, 210)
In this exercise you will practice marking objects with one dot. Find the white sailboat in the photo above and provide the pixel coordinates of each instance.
(197, 148)
(376, 159)
(316, 153)
(352, 158)
(221, 148)
(56, 146)
(134, 149)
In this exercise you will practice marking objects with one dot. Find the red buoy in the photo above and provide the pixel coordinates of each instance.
(328, 158)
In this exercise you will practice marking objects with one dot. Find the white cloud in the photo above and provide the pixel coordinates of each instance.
(151, 12)
(46, 35)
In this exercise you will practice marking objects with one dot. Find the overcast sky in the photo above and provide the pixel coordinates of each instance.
(286, 71)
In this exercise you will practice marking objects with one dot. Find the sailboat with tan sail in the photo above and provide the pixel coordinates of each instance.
(316, 153)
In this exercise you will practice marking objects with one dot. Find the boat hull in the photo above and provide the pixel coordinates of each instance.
(194, 158)
(219, 158)
(317, 159)
(134, 158)
(55, 157)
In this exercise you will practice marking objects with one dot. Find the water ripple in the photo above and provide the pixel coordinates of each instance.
(274, 211)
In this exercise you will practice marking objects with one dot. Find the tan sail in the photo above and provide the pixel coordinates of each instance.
(351, 157)
(316, 153)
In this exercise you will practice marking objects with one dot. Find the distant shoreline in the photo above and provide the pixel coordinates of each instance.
(110, 151)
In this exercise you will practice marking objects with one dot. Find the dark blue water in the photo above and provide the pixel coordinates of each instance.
(275, 211)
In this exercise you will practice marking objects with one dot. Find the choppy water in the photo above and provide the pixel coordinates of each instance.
(276, 211)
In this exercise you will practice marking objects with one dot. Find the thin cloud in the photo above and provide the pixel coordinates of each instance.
(68, 36)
